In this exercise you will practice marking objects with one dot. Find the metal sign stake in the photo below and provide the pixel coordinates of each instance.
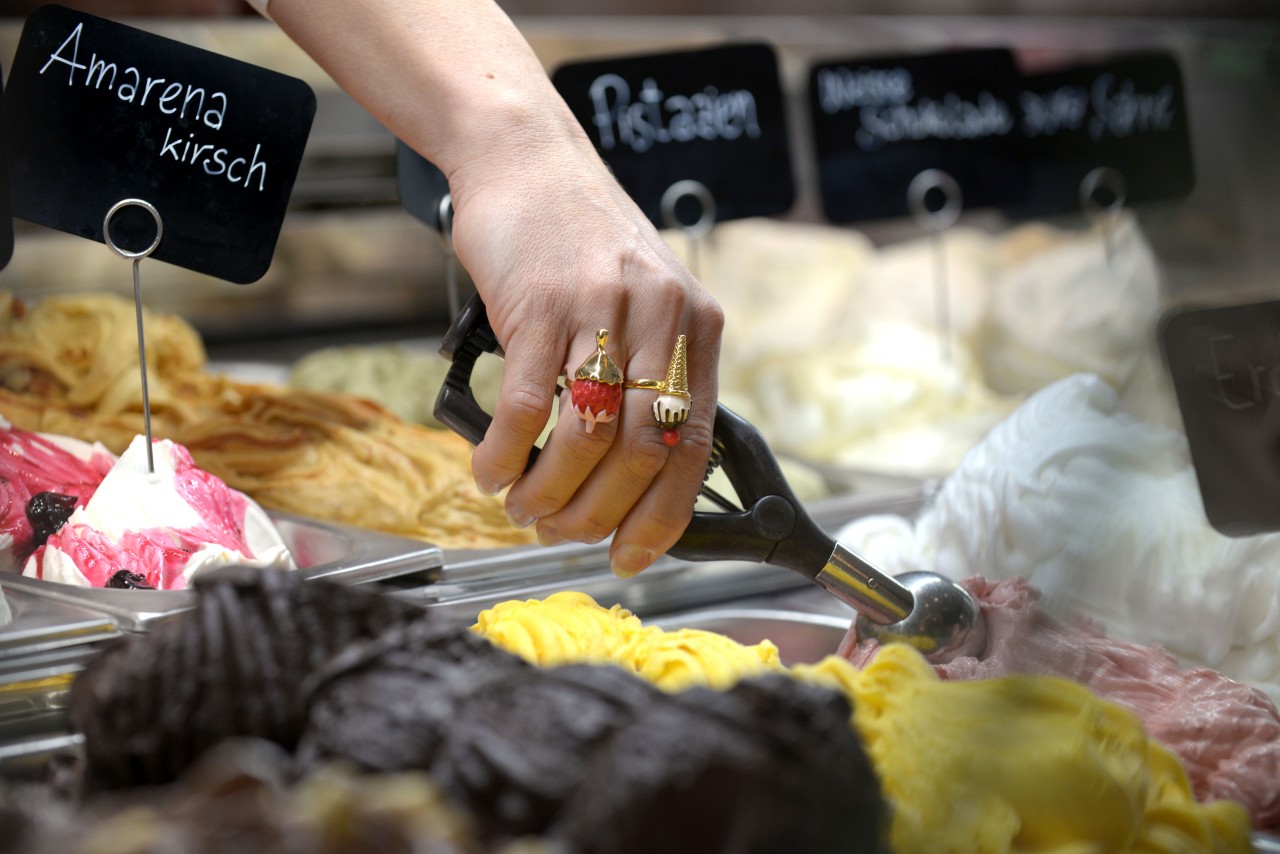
(693, 232)
(1104, 216)
(935, 222)
(136, 258)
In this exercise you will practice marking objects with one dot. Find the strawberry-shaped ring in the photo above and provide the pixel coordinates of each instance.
(596, 393)
(671, 409)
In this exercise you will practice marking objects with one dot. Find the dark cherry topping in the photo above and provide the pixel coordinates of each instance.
(47, 512)
(126, 580)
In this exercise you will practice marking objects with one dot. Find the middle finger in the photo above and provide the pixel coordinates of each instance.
(573, 449)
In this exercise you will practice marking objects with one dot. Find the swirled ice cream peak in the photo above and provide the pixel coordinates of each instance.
(164, 526)
(1100, 511)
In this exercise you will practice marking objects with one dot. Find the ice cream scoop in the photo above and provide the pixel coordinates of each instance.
(931, 613)
(943, 622)
(935, 615)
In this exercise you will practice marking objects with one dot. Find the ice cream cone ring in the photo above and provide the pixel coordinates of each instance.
(671, 409)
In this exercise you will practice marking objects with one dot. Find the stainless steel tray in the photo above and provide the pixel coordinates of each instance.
(321, 550)
(28, 758)
(41, 624)
(800, 638)
(473, 579)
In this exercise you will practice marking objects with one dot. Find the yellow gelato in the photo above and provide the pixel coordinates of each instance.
(1015, 764)
(1020, 764)
(571, 628)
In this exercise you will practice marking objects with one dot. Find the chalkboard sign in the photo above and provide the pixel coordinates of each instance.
(420, 184)
(6, 218)
(879, 122)
(1127, 114)
(714, 116)
(1225, 365)
(97, 112)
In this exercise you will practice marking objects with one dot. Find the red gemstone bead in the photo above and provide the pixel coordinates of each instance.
(671, 437)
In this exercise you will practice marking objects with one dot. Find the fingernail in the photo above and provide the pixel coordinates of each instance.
(550, 537)
(488, 487)
(628, 560)
(518, 517)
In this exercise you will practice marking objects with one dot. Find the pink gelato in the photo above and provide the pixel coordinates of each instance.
(1227, 733)
(32, 464)
(157, 529)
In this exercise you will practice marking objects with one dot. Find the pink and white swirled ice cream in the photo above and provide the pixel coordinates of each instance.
(127, 526)
(52, 471)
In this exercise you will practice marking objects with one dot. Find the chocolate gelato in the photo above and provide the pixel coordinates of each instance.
(589, 757)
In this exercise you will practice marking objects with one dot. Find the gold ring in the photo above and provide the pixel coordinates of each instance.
(671, 409)
(597, 386)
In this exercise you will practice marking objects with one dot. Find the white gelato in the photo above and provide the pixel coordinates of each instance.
(165, 527)
(833, 348)
(1059, 306)
(892, 403)
(1102, 512)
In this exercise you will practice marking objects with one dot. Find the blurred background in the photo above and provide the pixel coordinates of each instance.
(352, 264)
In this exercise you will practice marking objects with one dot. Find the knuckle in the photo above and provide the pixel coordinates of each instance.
(591, 530)
(646, 455)
(539, 504)
(665, 526)
(711, 318)
(526, 410)
(695, 445)
(673, 293)
(585, 448)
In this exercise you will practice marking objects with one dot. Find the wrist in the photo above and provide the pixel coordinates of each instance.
(525, 125)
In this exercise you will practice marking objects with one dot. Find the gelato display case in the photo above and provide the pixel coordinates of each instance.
(988, 401)
(321, 551)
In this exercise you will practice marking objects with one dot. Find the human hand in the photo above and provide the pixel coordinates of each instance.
(557, 251)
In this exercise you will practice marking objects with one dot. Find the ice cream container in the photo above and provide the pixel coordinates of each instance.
(801, 638)
(474, 579)
(320, 549)
(40, 625)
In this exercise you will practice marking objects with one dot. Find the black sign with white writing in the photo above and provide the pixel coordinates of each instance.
(98, 112)
(1225, 365)
(1127, 115)
(420, 184)
(878, 123)
(714, 116)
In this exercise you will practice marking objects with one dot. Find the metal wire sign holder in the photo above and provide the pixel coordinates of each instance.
(935, 221)
(1104, 215)
(700, 228)
(136, 258)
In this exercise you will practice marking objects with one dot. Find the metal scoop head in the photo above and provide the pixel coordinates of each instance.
(943, 622)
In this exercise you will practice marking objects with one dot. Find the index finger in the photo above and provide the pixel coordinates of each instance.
(529, 377)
